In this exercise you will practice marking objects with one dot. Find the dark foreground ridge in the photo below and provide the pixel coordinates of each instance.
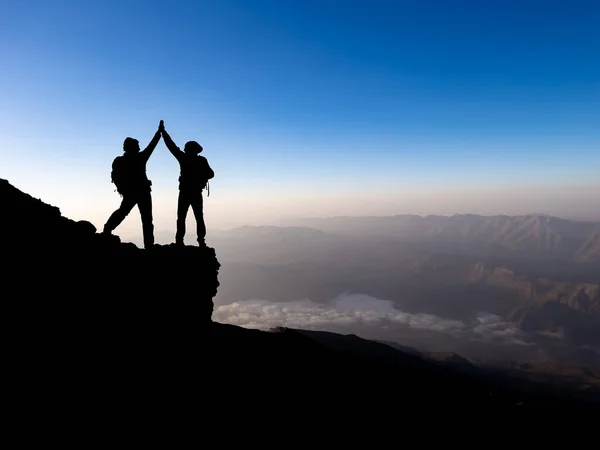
(349, 373)
(52, 261)
(101, 328)
(98, 327)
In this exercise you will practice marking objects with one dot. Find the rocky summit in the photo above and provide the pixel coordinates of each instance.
(92, 319)
(57, 264)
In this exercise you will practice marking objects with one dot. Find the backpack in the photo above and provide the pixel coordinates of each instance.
(194, 174)
(119, 175)
(206, 185)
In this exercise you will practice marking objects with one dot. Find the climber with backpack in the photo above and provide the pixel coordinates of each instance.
(131, 182)
(194, 175)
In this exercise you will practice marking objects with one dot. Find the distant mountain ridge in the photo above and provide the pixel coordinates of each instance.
(577, 240)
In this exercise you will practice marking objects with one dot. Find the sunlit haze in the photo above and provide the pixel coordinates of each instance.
(312, 108)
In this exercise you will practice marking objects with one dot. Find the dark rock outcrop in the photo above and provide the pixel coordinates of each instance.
(54, 263)
(97, 327)
(78, 297)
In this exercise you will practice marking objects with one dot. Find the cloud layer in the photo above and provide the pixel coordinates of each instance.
(355, 311)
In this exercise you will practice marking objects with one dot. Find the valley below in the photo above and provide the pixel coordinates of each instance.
(524, 289)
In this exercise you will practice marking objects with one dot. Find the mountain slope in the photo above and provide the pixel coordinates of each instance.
(92, 325)
(345, 371)
(590, 249)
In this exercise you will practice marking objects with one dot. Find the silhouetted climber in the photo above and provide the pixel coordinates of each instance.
(129, 176)
(194, 175)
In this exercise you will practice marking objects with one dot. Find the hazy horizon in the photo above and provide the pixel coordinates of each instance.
(226, 212)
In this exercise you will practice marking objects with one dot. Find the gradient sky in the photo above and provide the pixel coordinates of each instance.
(307, 107)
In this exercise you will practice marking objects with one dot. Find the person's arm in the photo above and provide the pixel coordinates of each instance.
(147, 152)
(175, 151)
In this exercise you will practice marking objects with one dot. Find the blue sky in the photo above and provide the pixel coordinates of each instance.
(311, 99)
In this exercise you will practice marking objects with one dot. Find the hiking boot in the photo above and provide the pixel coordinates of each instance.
(108, 237)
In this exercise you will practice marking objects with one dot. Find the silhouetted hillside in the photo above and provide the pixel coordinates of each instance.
(54, 262)
(348, 373)
(97, 328)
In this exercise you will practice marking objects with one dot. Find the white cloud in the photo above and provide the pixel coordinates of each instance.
(493, 327)
(359, 311)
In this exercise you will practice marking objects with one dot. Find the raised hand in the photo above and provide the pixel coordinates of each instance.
(161, 126)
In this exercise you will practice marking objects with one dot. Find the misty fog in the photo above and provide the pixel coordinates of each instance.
(521, 288)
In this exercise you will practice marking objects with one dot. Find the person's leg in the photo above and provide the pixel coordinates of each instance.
(197, 207)
(119, 215)
(145, 207)
(183, 204)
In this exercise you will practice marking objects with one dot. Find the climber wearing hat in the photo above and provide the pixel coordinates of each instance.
(194, 175)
